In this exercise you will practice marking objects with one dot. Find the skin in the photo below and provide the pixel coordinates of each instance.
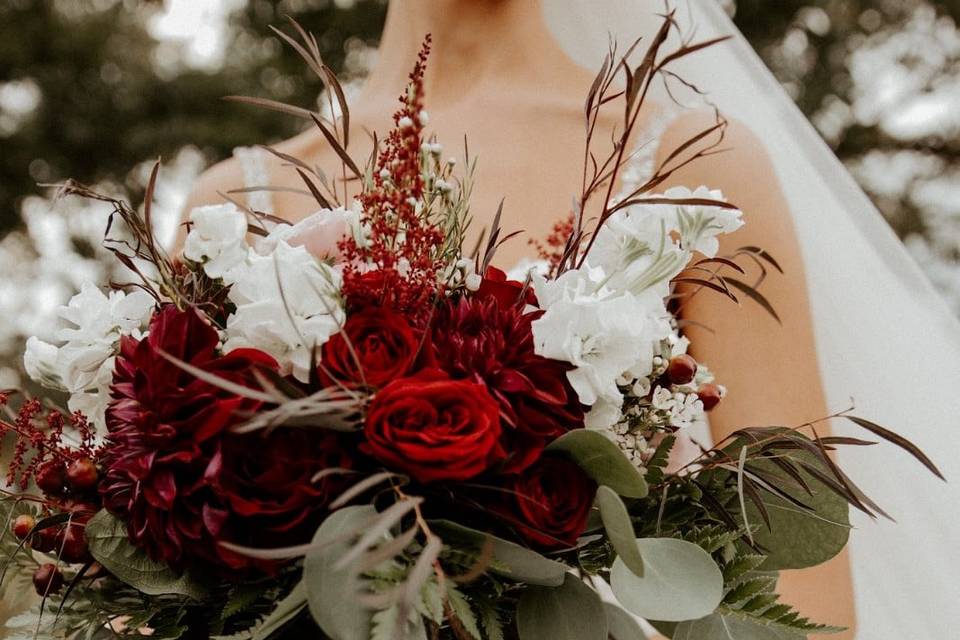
(520, 103)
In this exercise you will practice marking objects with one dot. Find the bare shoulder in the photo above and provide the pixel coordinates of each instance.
(736, 162)
(733, 145)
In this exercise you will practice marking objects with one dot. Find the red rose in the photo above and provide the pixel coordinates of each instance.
(507, 292)
(552, 500)
(434, 428)
(480, 339)
(375, 346)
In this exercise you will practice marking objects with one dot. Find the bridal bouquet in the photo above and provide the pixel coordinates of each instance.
(355, 424)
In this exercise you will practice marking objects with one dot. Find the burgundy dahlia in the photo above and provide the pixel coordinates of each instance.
(482, 339)
(173, 471)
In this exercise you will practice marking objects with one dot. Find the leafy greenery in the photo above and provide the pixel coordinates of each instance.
(110, 545)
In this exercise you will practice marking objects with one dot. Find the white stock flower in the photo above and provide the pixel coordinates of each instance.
(602, 338)
(699, 225)
(635, 250)
(83, 363)
(287, 303)
(40, 363)
(95, 324)
(217, 239)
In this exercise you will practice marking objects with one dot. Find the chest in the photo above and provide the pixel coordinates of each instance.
(530, 156)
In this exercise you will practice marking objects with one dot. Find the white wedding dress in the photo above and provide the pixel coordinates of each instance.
(884, 337)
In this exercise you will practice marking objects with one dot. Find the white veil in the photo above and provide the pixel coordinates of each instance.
(884, 337)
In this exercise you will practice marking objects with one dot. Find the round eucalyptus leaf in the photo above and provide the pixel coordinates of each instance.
(509, 560)
(572, 611)
(798, 538)
(720, 627)
(680, 581)
(110, 546)
(603, 461)
(621, 625)
(619, 527)
(331, 592)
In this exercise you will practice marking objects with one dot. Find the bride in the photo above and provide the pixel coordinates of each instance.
(858, 320)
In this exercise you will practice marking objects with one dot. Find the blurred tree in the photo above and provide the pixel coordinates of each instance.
(105, 95)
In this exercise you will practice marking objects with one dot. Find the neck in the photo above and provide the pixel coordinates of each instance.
(472, 40)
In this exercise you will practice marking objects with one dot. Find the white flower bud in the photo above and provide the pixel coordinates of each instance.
(473, 281)
(405, 123)
(424, 118)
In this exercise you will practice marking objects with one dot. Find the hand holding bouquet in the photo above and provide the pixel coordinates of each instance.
(355, 424)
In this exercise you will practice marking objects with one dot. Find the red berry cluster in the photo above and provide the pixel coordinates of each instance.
(404, 245)
(65, 473)
(40, 451)
(682, 369)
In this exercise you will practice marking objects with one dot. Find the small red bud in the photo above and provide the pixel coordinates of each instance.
(82, 474)
(682, 369)
(23, 525)
(45, 540)
(52, 477)
(710, 395)
(47, 580)
(73, 545)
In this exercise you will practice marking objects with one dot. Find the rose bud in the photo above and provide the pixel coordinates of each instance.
(82, 474)
(710, 395)
(23, 525)
(682, 369)
(45, 540)
(47, 580)
(73, 545)
(52, 477)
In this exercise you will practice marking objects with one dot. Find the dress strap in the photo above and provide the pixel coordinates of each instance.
(253, 162)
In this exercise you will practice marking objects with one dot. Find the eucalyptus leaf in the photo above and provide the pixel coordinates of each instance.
(680, 581)
(619, 527)
(798, 539)
(331, 593)
(732, 627)
(603, 461)
(621, 625)
(509, 560)
(110, 545)
(572, 611)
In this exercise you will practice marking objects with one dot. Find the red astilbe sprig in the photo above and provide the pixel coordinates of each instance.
(552, 249)
(40, 440)
(404, 245)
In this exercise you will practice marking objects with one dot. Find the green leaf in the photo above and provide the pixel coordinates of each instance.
(603, 461)
(798, 539)
(729, 627)
(619, 527)
(750, 588)
(572, 611)
(330, 591)
(109, 545)
(387, 625)
(462, 611)
(509, 560)
(680, 581)
(285, 611)
(621, 625)
(491, 624)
